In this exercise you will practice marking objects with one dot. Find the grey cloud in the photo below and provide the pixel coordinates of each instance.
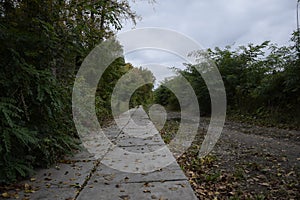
(221, 22)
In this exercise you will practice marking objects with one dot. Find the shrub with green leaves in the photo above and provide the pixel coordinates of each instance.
(15, 141)
(261, 82)
(42, 46)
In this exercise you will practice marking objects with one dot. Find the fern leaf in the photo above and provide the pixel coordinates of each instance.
(6, 140)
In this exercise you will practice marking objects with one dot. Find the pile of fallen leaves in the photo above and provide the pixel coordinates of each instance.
(12, 191)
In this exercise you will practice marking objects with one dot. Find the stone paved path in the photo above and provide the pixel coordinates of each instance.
(128, 168)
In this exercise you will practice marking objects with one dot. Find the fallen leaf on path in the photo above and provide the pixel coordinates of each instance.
(47, 179)
(5, 195)
(33, 179)
(124, 197)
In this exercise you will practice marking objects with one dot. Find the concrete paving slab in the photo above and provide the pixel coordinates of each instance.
(97, 144)
(105, 174)
(125, 140)
(141, 132)
(62, 182)
(133, 169)
(48, 194)
(171, 190)
(112, 132)
(63, 175)
(80, 155)
(126, 161)
(142, 149)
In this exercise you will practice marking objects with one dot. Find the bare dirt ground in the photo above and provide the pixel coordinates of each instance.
(248, 162)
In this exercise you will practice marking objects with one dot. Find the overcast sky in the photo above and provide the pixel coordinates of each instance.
(214, 23)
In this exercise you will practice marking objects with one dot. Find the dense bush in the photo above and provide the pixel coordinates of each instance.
(165, 97)
(261, 82)
(42, 45)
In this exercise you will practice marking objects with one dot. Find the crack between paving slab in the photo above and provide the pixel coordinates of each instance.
(156, 181)
(69, 161)
(142, 145)
(115, 138)
(87, 179)
(97, 163)
(121, 130)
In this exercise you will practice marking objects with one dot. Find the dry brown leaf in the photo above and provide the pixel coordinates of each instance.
(5, 195)
(173, 188)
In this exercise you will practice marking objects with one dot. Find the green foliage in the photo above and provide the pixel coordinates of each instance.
(166, 98)
(42, 46)
(14, 139)
(263, 85)
(260, 85)
(144, 94)
(117, 71)
(199, 86)
(106, 86)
